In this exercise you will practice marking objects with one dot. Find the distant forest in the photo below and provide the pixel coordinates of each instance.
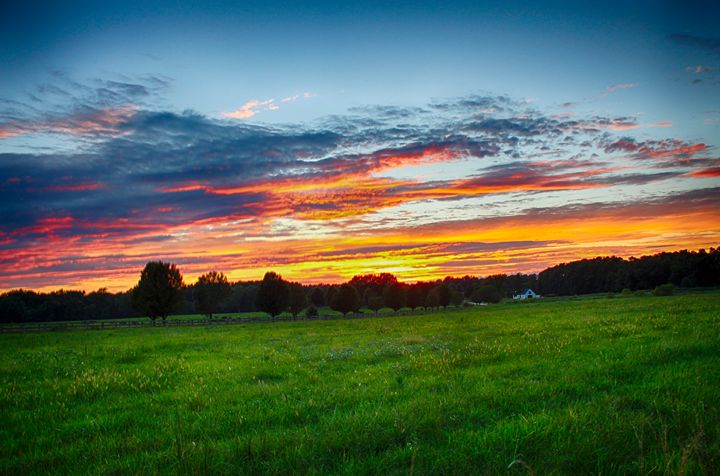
(685, 269)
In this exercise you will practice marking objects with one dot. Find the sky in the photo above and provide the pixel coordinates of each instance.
(327, 139)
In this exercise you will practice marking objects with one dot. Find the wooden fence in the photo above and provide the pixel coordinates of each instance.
(199, 322)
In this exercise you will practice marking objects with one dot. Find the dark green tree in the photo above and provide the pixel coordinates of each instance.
(456, 296)
(394, 296)
(298, 299)
(317, 296)
(346, 299)
(159, 291)
(444, 294)
(273, 296)
(415, 296)
(211, 288)
(375, 303)
(486, 293)
(432, 301)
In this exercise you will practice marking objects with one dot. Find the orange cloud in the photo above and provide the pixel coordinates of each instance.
(525, 242)
(708, 172)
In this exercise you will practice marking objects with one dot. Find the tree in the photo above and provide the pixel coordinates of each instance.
(210, 289)
(375, 303)
(444, 294)
(346, 299)
(432, 301)
(298, 299)
(317, 296)
(486, 293)
(415, 296)
(159, 291)
(456, 296)
(330, 293)
(394, 296)
(273, 297)
(375, 282)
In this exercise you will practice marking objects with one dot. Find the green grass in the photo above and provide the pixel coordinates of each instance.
(596, 386)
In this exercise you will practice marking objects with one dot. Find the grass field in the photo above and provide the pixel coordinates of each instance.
(596, 386)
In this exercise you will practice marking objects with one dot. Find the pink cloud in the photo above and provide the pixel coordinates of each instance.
(249, 109)
(105, 121)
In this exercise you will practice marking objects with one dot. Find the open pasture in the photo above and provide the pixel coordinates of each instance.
(597, 386)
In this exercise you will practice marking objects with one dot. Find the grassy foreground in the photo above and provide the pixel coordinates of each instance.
(600, 386)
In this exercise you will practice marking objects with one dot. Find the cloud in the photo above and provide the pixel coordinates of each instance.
(699, 69)
(252, 108)
(710, 172)
(614, 87)
(708, 44)
(193, 187)
(65, 106)
(85, 122)
(249, 109)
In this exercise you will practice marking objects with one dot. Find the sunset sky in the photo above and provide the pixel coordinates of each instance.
(327, 139)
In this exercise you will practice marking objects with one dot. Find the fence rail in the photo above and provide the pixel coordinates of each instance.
(199, 322)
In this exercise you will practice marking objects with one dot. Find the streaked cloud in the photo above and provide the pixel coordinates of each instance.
(383, 188)
(251, 108)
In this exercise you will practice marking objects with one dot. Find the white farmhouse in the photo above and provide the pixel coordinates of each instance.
(527, 294)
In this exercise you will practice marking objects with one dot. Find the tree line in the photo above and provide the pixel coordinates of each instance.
(161, 290)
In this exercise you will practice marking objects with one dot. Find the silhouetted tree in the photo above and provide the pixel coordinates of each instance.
(375, 303)
(273, 296)
(211, 288)
(298, 299)
(456, 296)
(486, 293)
(394, 296)
(330, 293)
(375, 282)
(432, 301)
(415, 296)
(317, 296)
(346, 299)
(159, 291)
(444, 294)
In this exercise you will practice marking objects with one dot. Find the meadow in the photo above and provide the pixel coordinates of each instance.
(569, 386)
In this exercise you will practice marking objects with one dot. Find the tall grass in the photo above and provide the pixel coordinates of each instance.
(600, 386)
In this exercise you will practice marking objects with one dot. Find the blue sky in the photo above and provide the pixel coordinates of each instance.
(222, 54)
(419, 114)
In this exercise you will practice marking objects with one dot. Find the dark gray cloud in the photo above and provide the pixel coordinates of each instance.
(708, 44)
(153, 169)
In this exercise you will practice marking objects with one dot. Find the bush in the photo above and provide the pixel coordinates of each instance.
(311, 312)
(626, 292)
(664, 290)
(639, 293)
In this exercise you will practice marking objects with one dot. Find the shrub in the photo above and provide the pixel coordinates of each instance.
(311, 312)
(664, 290)
(626, 292)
